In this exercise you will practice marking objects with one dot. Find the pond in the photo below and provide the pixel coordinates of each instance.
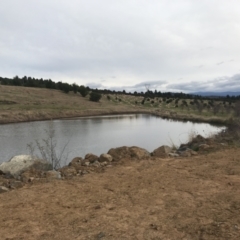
(98, 134)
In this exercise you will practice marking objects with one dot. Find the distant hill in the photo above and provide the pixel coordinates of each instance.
(216, 94)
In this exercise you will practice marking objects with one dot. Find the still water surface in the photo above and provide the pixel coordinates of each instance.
(98, 134)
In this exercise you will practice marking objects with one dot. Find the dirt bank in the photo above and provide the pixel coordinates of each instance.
(186, 198)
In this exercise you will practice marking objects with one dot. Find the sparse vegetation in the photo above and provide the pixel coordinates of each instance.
(47, 149)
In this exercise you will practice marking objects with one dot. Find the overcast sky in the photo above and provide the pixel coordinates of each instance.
(177, 45)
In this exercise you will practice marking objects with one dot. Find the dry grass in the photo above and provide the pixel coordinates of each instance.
(29, 104)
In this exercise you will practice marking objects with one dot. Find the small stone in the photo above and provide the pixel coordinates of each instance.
(224, 144)
(203, 146)
(87, 164)
(173, 155)
(3, 189)
(194, 152)
(100, 235)
(31, 179)
(16, 184)
(53, 174)
(185, 154)
(96, 164)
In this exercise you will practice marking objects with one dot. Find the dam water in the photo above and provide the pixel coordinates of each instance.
(97, 135)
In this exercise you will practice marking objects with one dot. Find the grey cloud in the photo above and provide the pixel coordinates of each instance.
(219, 84)
(143, 86)
(78, 41)
(95, 85)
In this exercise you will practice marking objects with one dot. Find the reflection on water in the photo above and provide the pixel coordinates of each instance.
(98, 134)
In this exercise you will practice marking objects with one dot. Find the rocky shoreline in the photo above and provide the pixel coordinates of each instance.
(26, 169)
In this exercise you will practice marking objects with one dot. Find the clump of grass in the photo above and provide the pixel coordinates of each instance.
(191, 135)
(172, 144)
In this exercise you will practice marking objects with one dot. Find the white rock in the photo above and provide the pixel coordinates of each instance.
(21, 163)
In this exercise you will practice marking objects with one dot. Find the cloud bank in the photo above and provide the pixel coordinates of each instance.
(181, 45)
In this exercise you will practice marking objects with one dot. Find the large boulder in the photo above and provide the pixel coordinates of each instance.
(119, 153)
(91, 157)
(105, 158)
(19, 164)
(139, 153)
(162, 152)
(128, 152)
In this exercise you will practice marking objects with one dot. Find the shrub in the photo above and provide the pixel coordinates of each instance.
(95, 97)
(83, 91)
(47, 148)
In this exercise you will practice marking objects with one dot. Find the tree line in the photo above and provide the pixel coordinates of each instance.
(85, 90)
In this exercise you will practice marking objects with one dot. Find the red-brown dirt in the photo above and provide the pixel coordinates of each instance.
(195, 198)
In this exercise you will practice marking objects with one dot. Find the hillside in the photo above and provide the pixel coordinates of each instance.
(28, 104)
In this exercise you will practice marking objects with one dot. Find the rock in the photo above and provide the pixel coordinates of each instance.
(128, 152)
(21, 163)
(53, 175)
(8, 175)
(185, 154)
(3, 189)
(103, 164)
(67, 171)
(173, 155)
(119, 153)
(100, 235)
(16, 184)
(188, 153)
(198, 139)
(105, 158)
(224, 144)
(162, 151)
(193, 152)
(203, 146)
(31, 174)
(84, 172)
(91, 158)
(76, 161)
(96, 164)
(86, 163)
(139, 153)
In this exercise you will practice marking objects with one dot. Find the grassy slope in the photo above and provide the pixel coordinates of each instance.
(28, 104)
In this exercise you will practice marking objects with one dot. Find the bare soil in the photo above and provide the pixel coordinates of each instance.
(184, 198)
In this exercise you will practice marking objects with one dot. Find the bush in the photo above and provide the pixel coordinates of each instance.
(95, 97)
(83, 91)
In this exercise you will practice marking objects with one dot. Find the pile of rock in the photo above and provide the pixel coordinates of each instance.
(13, 173)
(24, 168)
(91, 163)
